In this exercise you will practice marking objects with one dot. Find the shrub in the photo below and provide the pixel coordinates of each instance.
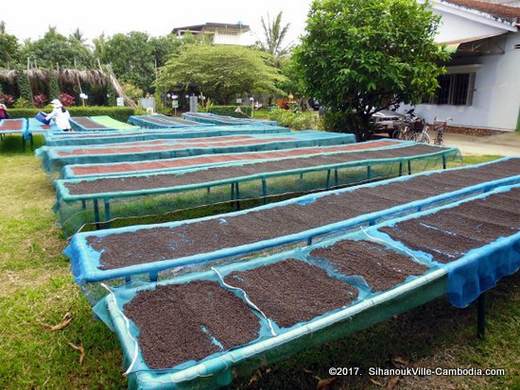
(24, 87)
(133, 92)
(22, 102)
(296, 120)
(230, 111)
(340, 122)
(111, 96)
(119, 113)
(54, 86)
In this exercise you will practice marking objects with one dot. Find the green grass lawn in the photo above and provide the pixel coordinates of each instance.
(37, 290)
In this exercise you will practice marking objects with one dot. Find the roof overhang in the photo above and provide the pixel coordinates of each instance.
(211, 27)
(475, 15)
(457, 69)
(453, 46)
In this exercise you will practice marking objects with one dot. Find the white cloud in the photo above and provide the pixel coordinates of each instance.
(31, 18)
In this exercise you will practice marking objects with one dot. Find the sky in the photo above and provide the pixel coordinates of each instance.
(31, 18)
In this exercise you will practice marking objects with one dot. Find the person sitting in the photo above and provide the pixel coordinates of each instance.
(60, 115)
(3, 112)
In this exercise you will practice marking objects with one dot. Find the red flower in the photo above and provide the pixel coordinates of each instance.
(8, 100)
(66, 99)
(40, 100)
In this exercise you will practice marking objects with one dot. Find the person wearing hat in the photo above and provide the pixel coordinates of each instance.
(3, 112)
(60, 115)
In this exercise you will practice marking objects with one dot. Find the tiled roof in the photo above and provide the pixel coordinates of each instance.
(503, 9)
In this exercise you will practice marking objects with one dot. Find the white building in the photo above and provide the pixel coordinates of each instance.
(219, 33)
(482, 86)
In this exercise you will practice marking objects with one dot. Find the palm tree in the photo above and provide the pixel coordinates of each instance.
(78, 36)
(275, 33)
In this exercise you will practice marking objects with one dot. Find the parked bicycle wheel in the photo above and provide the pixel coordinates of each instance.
(403, 133)
(423, 137)
(439, 139)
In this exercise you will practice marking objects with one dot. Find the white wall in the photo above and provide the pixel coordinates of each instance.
(232, 39)
(496, 100)
(456, 28)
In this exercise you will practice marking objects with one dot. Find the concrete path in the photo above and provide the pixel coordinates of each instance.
(498, 145)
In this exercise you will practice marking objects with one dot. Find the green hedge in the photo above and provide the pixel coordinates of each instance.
(230, 111)
(118, 113)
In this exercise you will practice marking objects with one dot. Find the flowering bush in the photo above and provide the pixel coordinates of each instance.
(40, 100)
(8, 100)
(66, 99)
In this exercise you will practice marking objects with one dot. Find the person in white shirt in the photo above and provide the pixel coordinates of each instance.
(60, 115)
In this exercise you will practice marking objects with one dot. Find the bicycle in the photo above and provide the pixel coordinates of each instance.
(440, 127)
(414, 130)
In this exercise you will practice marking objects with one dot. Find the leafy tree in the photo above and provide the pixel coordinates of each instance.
(220, 72)
(293, 83)
(163, 47)
(136, 56)
(100, 45)
(361, 56)
(131, 55)
(275, 33)
(56, 49)
(9, 48)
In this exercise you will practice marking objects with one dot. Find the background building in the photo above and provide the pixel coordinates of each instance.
(220, 33)
(482, 86)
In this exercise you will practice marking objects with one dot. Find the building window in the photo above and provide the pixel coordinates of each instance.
(460, 89)
(443, 93)
(455, 89)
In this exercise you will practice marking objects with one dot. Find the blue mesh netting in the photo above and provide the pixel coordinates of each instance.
(462, 280)
(85, 260)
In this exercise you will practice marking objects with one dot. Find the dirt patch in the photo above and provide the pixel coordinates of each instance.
(100, 134)
(226, 138)
(190, 315)
(381, 267)
(120, 149)
(443, 246)
(138, 183)
(88, 123)
(449, 234)
(167, 121)
(292, 291)
(123, 146)
(11, 125)
(162, 243)
(223, 158)
(117, 151)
